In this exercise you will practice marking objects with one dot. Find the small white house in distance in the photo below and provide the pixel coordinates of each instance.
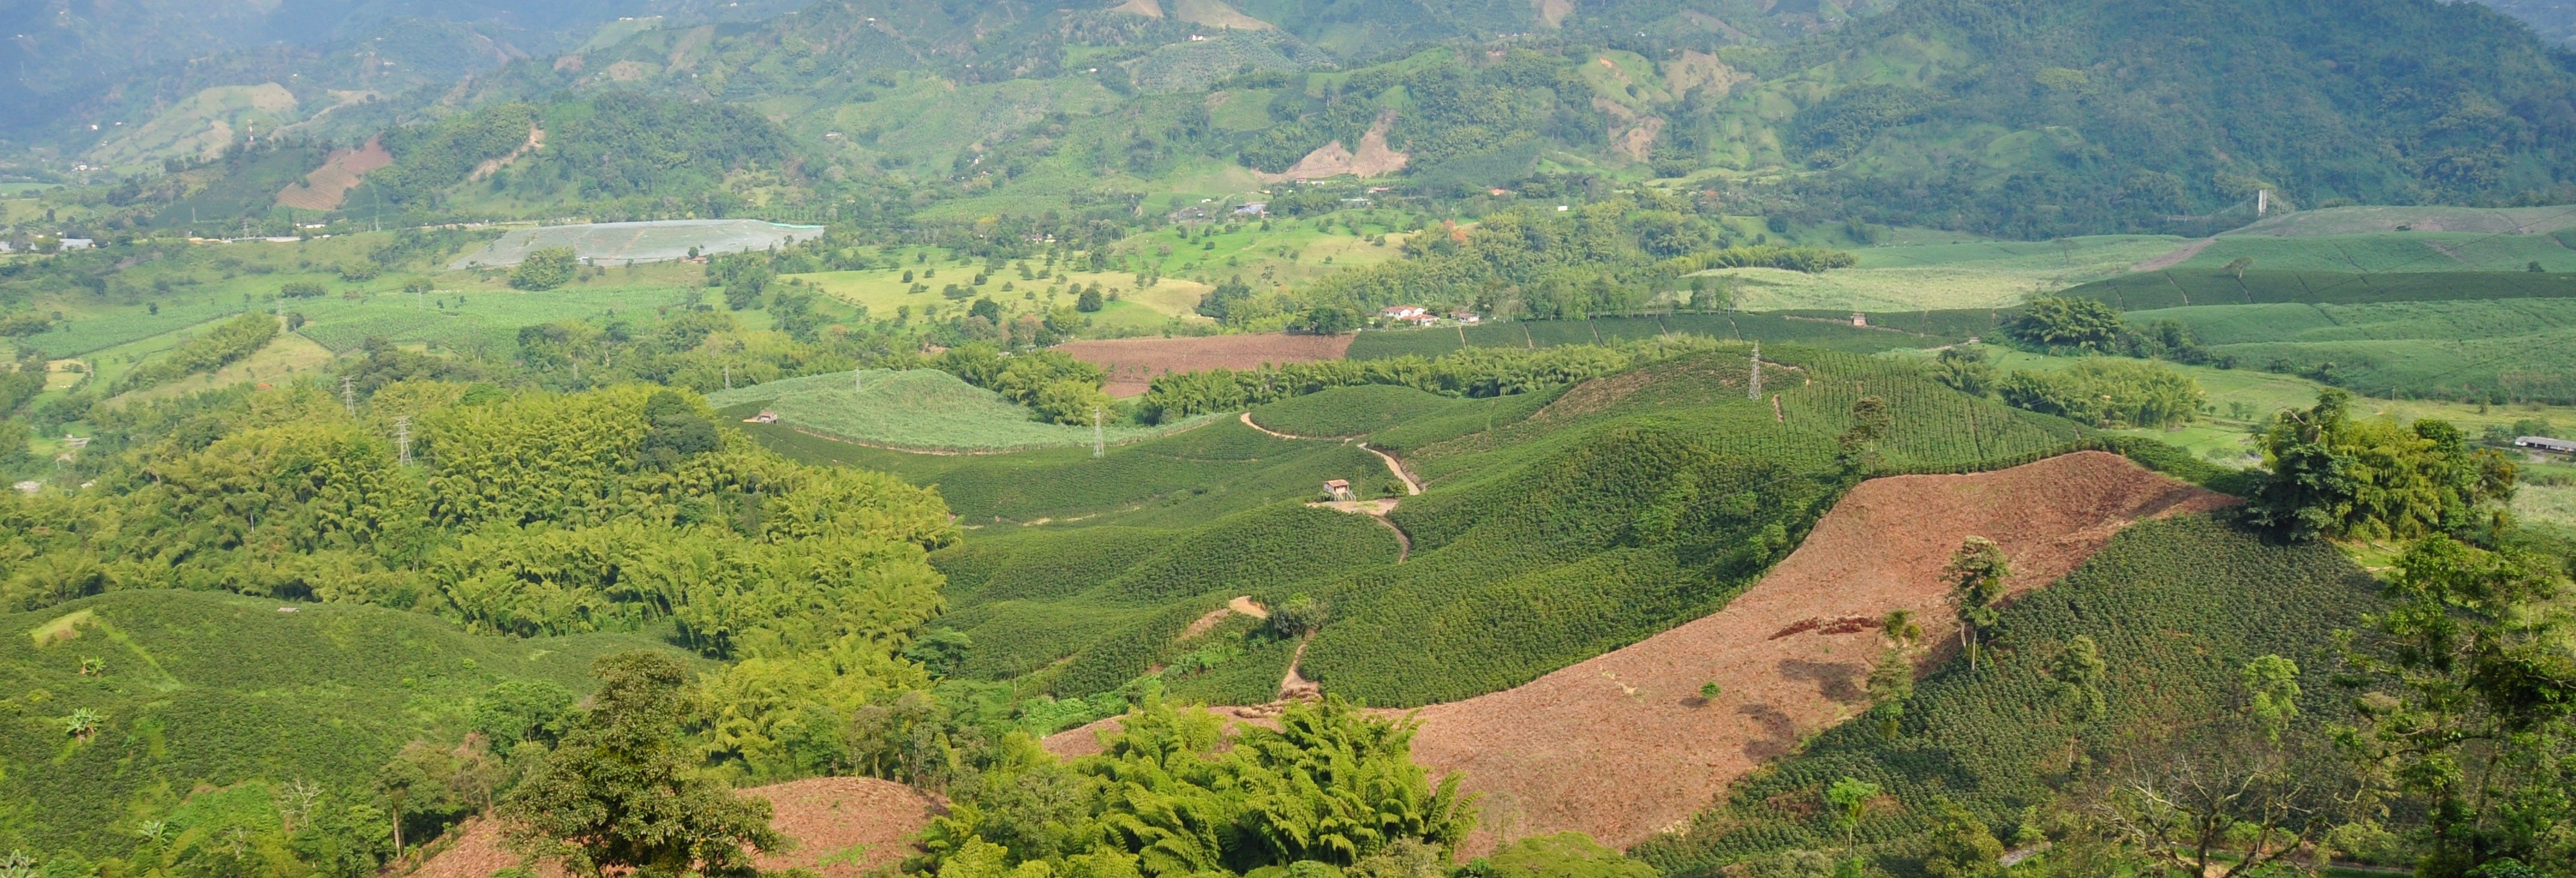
(1401, 312)
(78, 243)
(2544, 443)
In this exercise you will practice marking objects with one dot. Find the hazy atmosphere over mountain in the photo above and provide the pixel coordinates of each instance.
(1287, 438)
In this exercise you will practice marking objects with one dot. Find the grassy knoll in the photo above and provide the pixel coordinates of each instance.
(2177, 606)
(1981, 274)
(920, 409)
(203, 691)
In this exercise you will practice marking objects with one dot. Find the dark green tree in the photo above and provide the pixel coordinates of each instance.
(623, 794)
(1976, 574)
(545, 269)
(2053, 322)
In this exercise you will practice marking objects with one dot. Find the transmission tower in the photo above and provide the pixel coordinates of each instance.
(858, 379)
(1099, 440)
(1753, 385)
(402, 438)
(349, 394)
(728, 370)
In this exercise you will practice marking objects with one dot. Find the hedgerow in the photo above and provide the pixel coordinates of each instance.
(2177, 606)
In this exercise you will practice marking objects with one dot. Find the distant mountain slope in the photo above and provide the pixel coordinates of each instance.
(2104, 114)
(2554, 19)
(87, 60)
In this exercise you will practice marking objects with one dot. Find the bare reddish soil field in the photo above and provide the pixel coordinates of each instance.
(329, 185)
(844, 827)
(1133, 362)
(1622, 747)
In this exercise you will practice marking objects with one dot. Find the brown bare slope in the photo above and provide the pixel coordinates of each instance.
(1621, 747)
(843, 827)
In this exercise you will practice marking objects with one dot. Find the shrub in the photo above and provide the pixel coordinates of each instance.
(302, 289)
(546, 269)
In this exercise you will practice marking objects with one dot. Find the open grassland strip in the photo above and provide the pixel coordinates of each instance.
(2179, 606)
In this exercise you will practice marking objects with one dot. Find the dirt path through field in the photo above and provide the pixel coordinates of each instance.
(2179, 256)
(1621, 746)
(1411, 487)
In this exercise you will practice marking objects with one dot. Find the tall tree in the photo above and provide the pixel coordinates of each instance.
(622, 793)
(1976, 575)
(2475, 734)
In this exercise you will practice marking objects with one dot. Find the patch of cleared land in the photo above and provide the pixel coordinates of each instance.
(1133, 362)
(329, 185)
(844, 827)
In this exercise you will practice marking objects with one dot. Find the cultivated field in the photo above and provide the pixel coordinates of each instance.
(619, 243)
(1133, 362)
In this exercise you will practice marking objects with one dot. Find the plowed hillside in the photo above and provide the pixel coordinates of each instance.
(843, 827)
(1621, 746)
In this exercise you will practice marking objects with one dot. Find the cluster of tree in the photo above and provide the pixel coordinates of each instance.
(545, 269)
(1612, 256)
(2112, 394)
(2334, 476)
(1056, 387)
(1332, 787)
(1472, 372)
(1812, 260)
(224, 345)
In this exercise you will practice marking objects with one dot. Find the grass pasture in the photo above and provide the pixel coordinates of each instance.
(917, 410)
(1944, 276)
